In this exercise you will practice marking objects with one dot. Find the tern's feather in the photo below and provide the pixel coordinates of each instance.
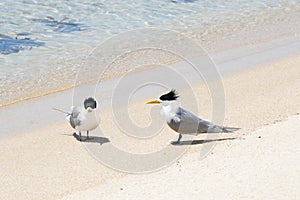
(83, 120)
(188, 122)
(90, 102)
(75, 116)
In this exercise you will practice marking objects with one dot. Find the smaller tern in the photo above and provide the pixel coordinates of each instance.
(83, 118)
(183, 121)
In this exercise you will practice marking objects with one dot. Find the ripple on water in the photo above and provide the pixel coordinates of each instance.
(10, 45)
(42, 41)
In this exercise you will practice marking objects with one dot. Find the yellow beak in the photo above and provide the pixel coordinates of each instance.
(89, 109)
(153, 102)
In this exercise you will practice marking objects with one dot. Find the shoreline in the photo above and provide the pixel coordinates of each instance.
(228, 63)
(240, 50)
(47, 162)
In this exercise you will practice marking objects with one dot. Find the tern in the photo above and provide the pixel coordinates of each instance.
(183, 121)
(83, 118)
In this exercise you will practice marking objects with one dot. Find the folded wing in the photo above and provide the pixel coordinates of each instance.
(186, 122)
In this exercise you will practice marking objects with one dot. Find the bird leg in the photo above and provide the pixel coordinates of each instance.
(79, 136)
(87, 134)
(179, 138)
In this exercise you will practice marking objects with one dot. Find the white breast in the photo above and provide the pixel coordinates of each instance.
(88, 121)
(168, 110)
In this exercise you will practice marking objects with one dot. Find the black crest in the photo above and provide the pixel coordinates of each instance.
(90, 102)
(169, 96)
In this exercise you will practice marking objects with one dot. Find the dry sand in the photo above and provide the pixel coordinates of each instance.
(262, 165)
(49, 163)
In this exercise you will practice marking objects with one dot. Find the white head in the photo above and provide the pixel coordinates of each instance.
(169, 104)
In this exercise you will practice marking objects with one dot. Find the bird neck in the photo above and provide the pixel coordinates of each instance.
(168, 109)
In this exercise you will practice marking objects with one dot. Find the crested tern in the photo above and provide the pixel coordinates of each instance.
(183, 121)
(83, 118)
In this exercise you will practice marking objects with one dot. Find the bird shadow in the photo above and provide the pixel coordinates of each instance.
(91, 139)
(195, 142)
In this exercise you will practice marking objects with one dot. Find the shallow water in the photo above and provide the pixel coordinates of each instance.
(42, 44)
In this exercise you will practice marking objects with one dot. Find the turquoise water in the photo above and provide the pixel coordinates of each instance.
(41, 43)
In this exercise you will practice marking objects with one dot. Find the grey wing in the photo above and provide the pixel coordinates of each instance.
(187, 122)
(74, 117)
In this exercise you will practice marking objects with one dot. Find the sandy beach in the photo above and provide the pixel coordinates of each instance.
(234, 63)
(260, 161)
(261, 165)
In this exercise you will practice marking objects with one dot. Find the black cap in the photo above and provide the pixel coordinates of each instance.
(171, 96)
(90, 102)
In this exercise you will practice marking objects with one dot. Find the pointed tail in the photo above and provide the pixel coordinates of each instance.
(67, 114)
(230, 129)
(62, 111)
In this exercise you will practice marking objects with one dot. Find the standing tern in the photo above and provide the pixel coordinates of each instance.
(183, 121)
(83, 118)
